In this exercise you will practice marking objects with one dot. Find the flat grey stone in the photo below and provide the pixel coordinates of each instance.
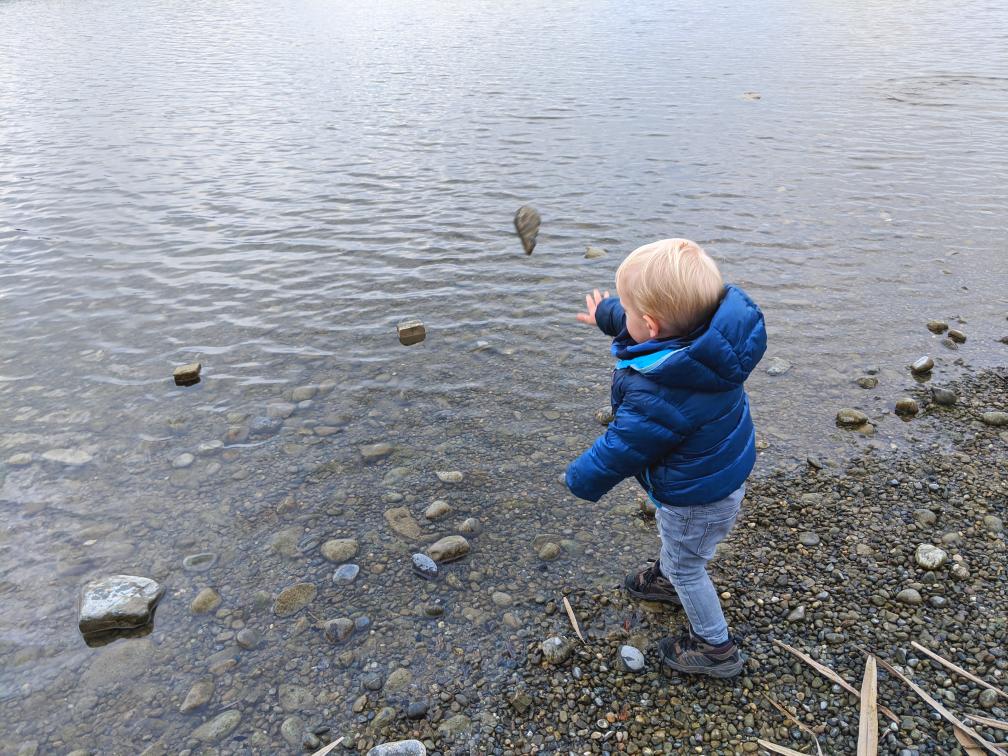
(118, 602)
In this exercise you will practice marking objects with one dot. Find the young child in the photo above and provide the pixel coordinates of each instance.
(684, 344)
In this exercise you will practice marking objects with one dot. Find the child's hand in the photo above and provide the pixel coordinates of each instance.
(591, 301)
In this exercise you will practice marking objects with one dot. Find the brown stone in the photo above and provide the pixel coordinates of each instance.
(411, 332)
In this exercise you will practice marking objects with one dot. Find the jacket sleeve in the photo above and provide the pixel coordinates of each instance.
(634, 440)
(610, 316)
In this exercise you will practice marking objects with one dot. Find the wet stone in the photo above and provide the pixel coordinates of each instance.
(118, 602)
(851, 418)
(555, 650)
(549, 551)
(67, 457)
(594, 253)
(199, 694)
(411, 332)
(293, 599)
(437, 510)
(922, 365)
(206, 601)
(944, 397)
(292, 729)
(449, 476)
(248, 638)
(338, 630)
(867, 382)
(217, 728)
(374, 452)
(402, 523)
(186, 375)
(797, 614)
(937, 326)
(424, 566)
(906, 407)
(957, 336)
(416, 710)
(346, 574)
(469, 526)
(448, 549)
(339, 549)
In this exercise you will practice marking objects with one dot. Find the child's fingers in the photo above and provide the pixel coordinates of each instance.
(598, 296)
(589, 303)
(607, 294)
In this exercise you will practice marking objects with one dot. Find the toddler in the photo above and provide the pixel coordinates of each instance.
(684, 344)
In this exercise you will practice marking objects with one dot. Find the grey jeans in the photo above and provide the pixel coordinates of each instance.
(689, 536)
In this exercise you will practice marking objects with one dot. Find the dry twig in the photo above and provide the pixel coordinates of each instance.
(867, 744)
(573, 619)
(325, 749)
(957, 669)
(773, 747)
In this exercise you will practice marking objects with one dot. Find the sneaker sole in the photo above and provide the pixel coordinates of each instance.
(663, 598)
(720, 672)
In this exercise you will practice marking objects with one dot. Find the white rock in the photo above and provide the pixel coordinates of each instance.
(930, 557)
(118, 602)
(182, 460)
(632, 658)
(399, 748)
(449, 476)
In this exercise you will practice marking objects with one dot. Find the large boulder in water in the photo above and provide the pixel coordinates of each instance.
(118, 602)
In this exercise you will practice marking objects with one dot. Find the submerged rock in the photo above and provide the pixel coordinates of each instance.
(118, 602)
(851, 418)
(867, 382)
(449, 548)
(437, 510)
(218, 727)
(68, 457)
(374, 452)
(199, 562)
(293, 599)
(594, 253)
(957, 336)
(338, 630)
(402, 523)
(198, 695)
(339, 549)
(996, 418)
(206, 601)
(449, 476)
(346, 574)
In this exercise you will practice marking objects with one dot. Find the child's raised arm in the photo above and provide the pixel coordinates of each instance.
(604, 311)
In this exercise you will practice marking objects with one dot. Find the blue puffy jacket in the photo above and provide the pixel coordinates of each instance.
(682, 425)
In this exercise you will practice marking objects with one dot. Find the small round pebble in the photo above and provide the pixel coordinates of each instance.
(424, 566)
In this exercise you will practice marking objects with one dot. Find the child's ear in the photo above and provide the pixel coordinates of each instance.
(652, 325)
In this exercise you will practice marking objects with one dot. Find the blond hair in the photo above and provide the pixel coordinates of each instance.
(672, 280)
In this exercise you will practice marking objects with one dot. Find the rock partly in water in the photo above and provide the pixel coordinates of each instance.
(937, 326)
(449, 549)
(118, 602)
(594, 253)
(851, 418)
(411, 332)
(944, 397)
(930, 557)
(187, 375)
(339, 549)
(906, 407)
(293, 599)
(867, 382)
(399, 748)
(424, 566)
(922, 365)
(957, 336)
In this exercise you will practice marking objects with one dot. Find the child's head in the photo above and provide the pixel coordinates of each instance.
(668, 288)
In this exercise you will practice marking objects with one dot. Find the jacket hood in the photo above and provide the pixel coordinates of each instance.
(718, 356)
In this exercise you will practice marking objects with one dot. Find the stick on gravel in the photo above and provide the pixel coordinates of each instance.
(325, 749)
(995, 724)
(945, 713)
(803, 727)
(969, 745)
(572, 618)
(957, 669)
(779, 748)
(829, 674)
(867, 742)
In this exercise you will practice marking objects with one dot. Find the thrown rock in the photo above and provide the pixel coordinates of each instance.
(399, 748)
(424, 566)
(594, 253)
(851, 418)
(632, 658)
(906, 407)
(118, 602)
(449, 549)
(339, 549)
(293, 599)
(187, 375)
(777, 366)
(930, 557)
(526, 222)
(922, 365)
(411, 332)
(604, 416)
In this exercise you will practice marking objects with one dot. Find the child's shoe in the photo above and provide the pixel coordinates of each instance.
(693, 655)
(650, 585)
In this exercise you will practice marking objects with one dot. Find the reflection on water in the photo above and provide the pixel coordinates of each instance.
(269, 190)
